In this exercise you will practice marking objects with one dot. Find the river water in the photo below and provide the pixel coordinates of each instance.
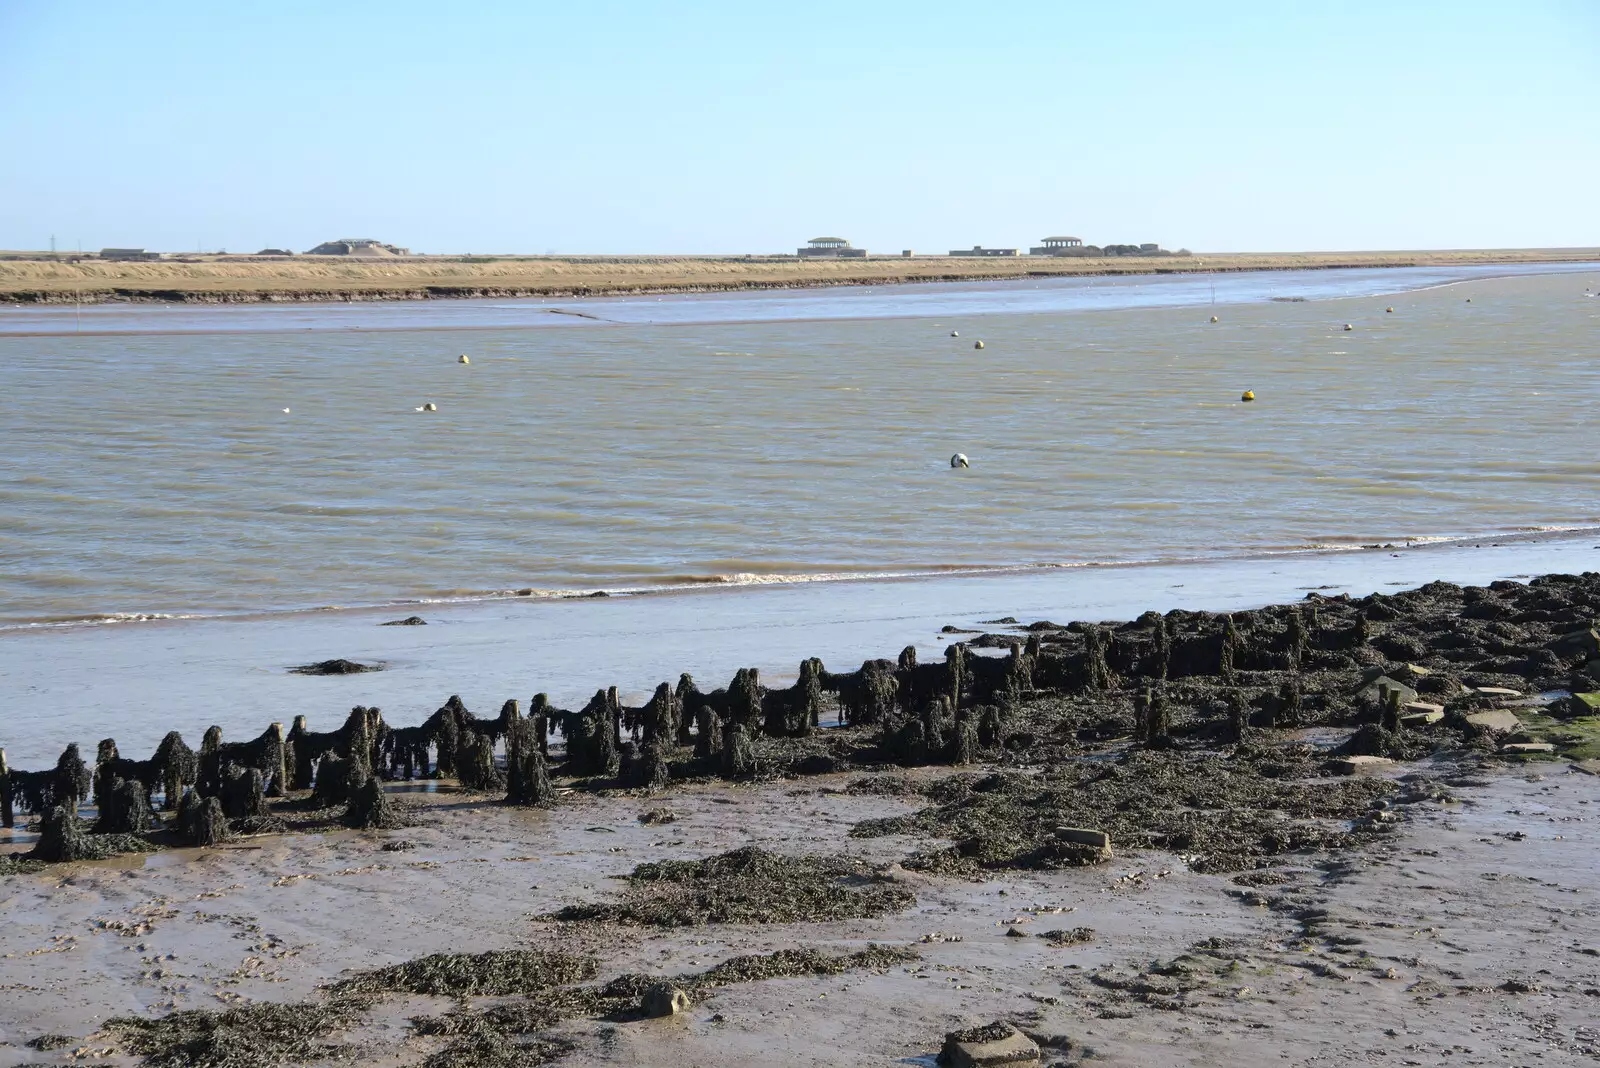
(756, 437)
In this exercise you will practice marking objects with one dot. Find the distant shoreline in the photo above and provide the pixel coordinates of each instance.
(224, 280)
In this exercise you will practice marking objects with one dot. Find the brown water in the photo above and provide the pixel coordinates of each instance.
(157, 473)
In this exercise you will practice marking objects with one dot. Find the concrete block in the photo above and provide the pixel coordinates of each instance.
(1528, 747)
(1496, 719)
(1084, 836)
(1499, 691)
(1421, 714)
(1352, 765)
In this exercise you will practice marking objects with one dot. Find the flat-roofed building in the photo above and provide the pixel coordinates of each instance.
(979, 250)
(128, 254)
(835, 248)
(1058, 246)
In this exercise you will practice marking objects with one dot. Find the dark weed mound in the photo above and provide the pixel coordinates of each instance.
(334, 667)
(498, 973)
(1224, 813)
(748, 885)
(249, 1036)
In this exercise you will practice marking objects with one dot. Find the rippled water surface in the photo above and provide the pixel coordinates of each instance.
(156, 472)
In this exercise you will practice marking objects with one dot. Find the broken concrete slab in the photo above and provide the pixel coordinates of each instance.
(1528, 747)
(1420, 714)
(1498, 691)
(984, 1047)
(1084, 836)
(1590, 766)
(1352, 765)
(1495, 719)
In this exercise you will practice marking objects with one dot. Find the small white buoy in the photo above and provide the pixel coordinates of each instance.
(1215, 319)
(959, 460)
(977, 344)
(957, 333)
(429, 407)
(463, 359)
(1347, 326)
(286, 411)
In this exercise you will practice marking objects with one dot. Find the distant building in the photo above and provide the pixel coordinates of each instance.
(1058, 246)
(128, 254)
(274, 252)
(979, 250)
(830, 248)
(357, 246)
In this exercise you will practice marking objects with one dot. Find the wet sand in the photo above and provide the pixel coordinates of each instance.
(1414, 937)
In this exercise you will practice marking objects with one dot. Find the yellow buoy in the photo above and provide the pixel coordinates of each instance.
(1389, 309)
(1215, 319)
(977, 344)
(1248, 395)
(463, 359)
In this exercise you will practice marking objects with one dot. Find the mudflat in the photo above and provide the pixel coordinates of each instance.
(246, 279)
(1131, 843)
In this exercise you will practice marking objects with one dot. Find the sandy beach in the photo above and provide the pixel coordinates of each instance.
(245, 279)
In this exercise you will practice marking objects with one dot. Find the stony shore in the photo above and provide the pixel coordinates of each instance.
(1352, 827)
(251, 280)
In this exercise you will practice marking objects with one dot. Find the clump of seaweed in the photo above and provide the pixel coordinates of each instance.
(246, 1036)
(497, 973)
(1222, 812)
(748, 885)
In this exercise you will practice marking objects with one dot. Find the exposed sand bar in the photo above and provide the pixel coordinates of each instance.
(188, 674)
(239, 279)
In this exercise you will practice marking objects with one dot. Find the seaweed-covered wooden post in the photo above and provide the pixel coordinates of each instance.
(708, 728)
(178, 767)
(934, 714)
(1238, 719)
(105, 760)
(1097, 673)
(302, 762)
(1162, 656)
(1291, 702)
(277, 771)
(210, 777)
(539, 717)
(1030, 661)
(906, 680)
(1159, 730)
(963, 738)
(8, 815)
(744, 712)
(1299, 640)
(61, 837)
(1230, 650)
(1391, 709)
(201, 821)
(957, 673)
(658, 731)
(244, 794)
(1141, 715)
(808, 697)
(527, 776)
(1360, 633)
(687, 698)
(124, 808)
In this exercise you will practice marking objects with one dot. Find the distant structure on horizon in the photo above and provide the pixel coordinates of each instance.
(979, 250)
(1072, 246)
(357, 246)
(128, 254)
(830, 248)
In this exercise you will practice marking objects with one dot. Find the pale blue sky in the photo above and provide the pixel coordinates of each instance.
(748, 127)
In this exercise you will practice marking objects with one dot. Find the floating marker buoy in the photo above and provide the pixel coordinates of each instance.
(429, 407)
(1215, 319)
(1248, 395)
(1389, 309)
(286, 411)
(1347, 326)
(957, 333)
(1469, 300)
(959, 460)
(463, 359)
(977, 344)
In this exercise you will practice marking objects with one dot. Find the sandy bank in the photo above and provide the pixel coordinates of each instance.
(225, 280)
